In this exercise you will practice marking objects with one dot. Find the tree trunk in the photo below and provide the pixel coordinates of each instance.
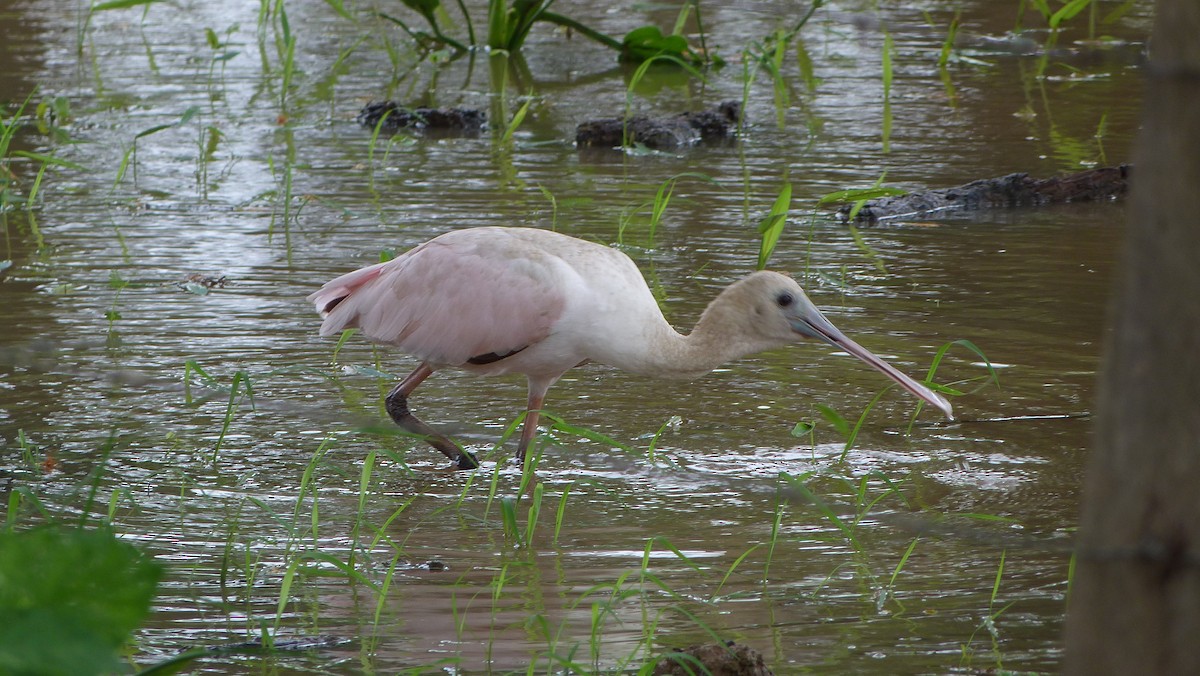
(1135, 605)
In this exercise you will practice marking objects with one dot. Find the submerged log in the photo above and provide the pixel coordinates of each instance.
(661, 133)
(466, 121)
(1013, 190)
(719, 659)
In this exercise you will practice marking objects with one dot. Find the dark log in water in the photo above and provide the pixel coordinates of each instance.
(670, 132)
(719, 659)
(1013, 190)
(466, 121)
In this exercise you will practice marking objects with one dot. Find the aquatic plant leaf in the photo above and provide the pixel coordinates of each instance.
(372, 372)
(178, 663)
(1118, 12)
(573, 25)
(1068, 12)
(49, 159)
(1042, 7)
(121, 4)
(803, 428)
(425, 8)
(839, 423)
(771, 227)
(498, 24)
(859, 194)
(646, 42)
(524, 14)
(337, 6)
(69, 599)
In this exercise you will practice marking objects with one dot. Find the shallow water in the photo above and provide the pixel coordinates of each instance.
(99, 328)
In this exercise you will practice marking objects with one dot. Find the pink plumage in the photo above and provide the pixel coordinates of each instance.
(522, 300)
(445, 302)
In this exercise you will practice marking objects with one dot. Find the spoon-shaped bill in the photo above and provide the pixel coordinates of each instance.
(811, 323)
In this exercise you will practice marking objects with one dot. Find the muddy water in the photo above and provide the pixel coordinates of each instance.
(277, 190)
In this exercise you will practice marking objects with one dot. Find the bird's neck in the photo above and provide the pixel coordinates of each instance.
(711, 343)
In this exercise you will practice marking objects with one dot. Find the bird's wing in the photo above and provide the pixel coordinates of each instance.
(446, 303)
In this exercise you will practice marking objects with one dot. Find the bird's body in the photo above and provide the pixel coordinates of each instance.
(499, 300)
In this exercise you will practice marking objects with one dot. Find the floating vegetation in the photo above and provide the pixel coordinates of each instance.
(509, 24)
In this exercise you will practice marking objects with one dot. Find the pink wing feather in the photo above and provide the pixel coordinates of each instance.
(445, 301)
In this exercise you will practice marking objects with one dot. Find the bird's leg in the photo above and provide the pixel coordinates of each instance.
(537, 394)
(397, 407)
(528, 432)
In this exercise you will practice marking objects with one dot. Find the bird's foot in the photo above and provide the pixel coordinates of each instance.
(465, 461)
(397, 407)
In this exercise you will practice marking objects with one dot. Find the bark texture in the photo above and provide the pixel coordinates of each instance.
(1135, 606)
(1013, 190)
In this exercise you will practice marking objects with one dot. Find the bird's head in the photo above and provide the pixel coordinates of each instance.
(774, 309)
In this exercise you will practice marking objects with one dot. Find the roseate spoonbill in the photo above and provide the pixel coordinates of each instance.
(495, 300)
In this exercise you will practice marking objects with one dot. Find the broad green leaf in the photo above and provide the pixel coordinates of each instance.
(70, 599)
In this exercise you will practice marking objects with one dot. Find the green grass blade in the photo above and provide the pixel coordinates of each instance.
(771, 227)
(517, 118)
(337, 6)
(50, 159)
(1068, 12)
(121, 4)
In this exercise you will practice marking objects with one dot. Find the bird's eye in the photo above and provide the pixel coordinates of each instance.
(785, 299)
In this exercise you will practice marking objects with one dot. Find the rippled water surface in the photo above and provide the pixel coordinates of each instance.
(670, 512)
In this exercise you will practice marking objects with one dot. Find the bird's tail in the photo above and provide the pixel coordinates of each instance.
(337, 290)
